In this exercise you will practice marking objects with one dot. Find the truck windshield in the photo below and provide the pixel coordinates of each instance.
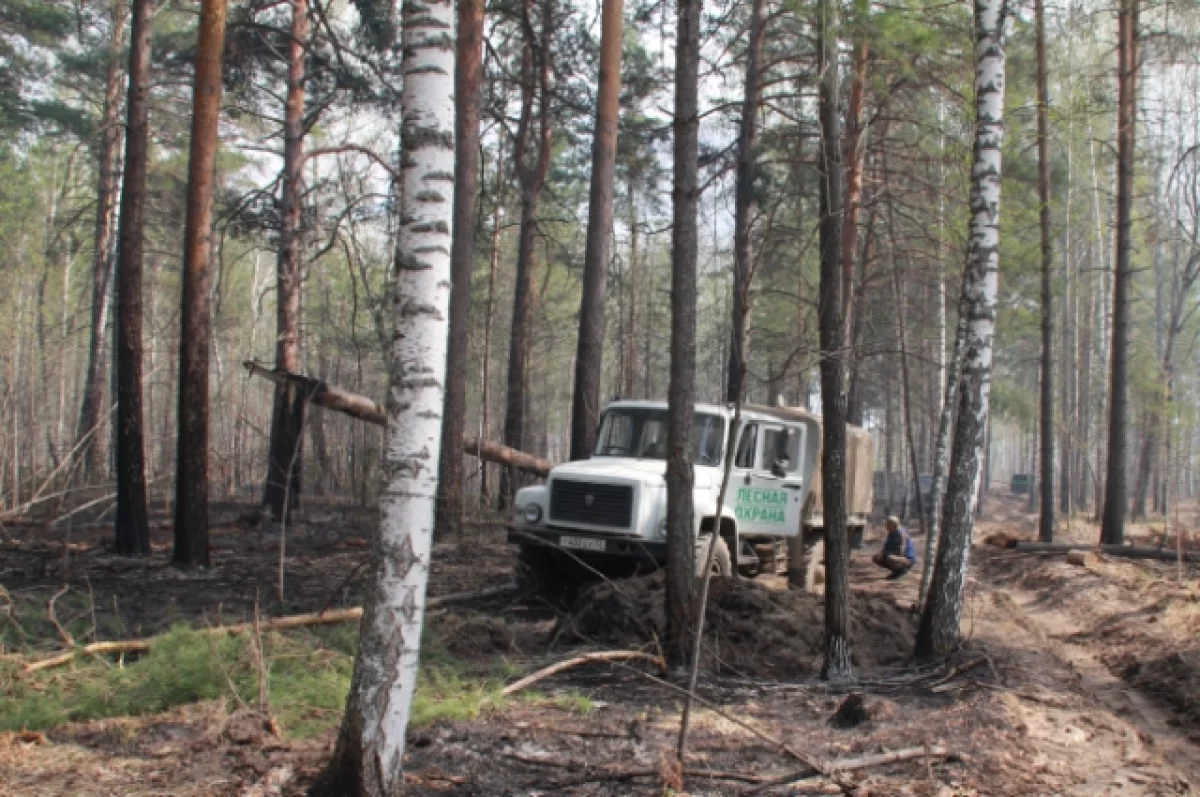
(641, 432)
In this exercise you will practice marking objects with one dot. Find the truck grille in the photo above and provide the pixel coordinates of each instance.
(595, 504)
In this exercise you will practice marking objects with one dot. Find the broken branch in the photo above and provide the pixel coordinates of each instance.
(603, 655)
(363, 408)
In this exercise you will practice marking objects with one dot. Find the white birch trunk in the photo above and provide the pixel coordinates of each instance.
(939, 631)
(368, 758)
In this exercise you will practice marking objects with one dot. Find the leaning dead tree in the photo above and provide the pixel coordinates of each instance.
(355, 405)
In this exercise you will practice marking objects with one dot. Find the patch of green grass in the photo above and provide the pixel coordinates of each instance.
(309, 673)
(182, 667)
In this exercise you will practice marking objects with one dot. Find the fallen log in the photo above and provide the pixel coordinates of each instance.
(603, 655)
(349, 615)
(334, 398)
(763, 782)
(853, 764)
(1125, 551)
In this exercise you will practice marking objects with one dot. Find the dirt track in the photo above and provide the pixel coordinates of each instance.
(1083, 683)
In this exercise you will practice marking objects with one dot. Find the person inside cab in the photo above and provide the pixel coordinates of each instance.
(899, 554)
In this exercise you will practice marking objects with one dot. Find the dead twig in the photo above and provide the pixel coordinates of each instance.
(603, 655)
(333, 592)
(70, 640)
(942, 684)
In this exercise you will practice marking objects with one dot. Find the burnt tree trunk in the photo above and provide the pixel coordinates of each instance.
(282, 489)
(682, 388)
(589, 355)
(195, 333)
(467, 101)
(1046, 516)
(132, 524)
(1116, 492)
(837, 665)
(743, 208)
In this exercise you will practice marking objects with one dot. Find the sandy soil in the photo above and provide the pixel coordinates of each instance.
(1075, 681)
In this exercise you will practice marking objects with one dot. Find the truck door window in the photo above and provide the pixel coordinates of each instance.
(746, 448)
(781, 444)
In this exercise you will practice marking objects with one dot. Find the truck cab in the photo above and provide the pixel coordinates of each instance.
(608, 514)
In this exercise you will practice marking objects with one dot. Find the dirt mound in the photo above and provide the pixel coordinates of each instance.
(1173, 679)
(750, 630)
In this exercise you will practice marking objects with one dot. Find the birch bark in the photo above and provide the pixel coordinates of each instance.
(939, 629)
(368, 758)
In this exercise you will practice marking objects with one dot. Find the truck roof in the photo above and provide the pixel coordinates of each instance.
(756, 411)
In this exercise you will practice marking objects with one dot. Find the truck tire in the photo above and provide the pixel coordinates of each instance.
(542, 574)
(722, 563)
(814, 566)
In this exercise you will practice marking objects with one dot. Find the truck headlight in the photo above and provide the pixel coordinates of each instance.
(532, 514)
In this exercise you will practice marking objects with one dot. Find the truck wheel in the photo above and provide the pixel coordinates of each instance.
(542, 574)
(722, 564)
(814, 566)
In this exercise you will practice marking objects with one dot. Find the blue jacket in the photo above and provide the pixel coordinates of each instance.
(899, 543)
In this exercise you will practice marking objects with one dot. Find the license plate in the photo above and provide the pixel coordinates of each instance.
(581, 543)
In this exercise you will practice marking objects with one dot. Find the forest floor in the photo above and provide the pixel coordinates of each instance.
(1075, 680)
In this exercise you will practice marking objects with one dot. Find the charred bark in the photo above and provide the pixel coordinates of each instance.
(681, 391)
(282, 490)
(837, 665)
(1116, 492)
(743, 208)
(132, 524)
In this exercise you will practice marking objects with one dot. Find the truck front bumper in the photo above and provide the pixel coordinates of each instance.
(584, 543)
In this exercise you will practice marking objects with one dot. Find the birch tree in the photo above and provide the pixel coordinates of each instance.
(368, 758)
(939, 630)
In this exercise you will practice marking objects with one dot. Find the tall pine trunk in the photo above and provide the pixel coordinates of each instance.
(1046, 516)
(837, 665)
(938, 633)
(535, 85)
(589, 356)
(1116, 491)
(282, 489)
(368, 757)
(195, 331)
(92, 410)
(468, 77)
(682, 388)
(743, 208)
(132, 525)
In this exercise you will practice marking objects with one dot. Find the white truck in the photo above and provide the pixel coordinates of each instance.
(608, 514)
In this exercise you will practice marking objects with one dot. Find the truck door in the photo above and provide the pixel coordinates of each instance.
(767, 487)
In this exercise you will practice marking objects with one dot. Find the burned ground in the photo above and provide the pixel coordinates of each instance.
(1075, 680)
